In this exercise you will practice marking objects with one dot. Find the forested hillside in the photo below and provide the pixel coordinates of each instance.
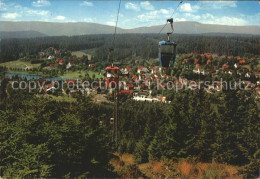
(132, 45)
(40, 137)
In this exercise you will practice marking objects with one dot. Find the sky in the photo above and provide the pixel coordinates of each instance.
(132, 13)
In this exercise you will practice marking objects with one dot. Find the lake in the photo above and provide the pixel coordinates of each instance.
(33, 77)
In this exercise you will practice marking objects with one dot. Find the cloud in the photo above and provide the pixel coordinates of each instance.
(10, 15)
(187, 7)
(229, 21)
(164, 11)
(60, 18)
(148, 16)
(41, 3)
(35, 12)
(207, 16)
(217, 4)
(111, 23)
(222, 20)
(86, 3)
(132, 6)
(192, 17)
(154, 17)
(147, 5)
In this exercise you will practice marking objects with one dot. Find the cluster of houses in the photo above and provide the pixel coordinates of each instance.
(141, 81)
(147, 76)
(55, 55)
(240, 66)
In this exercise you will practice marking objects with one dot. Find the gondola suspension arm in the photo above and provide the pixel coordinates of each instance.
(169, 33)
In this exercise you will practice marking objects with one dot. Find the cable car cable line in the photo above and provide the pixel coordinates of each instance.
(114, 36)
(167, 53)
(112, 83)
(170, 17)
(167, 48)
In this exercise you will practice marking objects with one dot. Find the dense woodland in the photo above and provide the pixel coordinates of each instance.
(132, 45)
(40, 137)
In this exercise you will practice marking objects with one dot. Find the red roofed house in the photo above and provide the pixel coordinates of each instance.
(236, 65)
(164, 75)
(185, 60)
(208, 55)
(155, 70)
(70, 64)
(129, 87)
(126, 92)
(134, 77)
(208, 61)
(128, 68)
(225, 66)
(139, 69)
(61, 62)
(242, 61)
(163, 99)
(91, 65)
(196, 60)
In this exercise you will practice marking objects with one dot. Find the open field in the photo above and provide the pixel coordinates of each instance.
(78, 53)
(87, 52)
(19, 64)
(81, 74)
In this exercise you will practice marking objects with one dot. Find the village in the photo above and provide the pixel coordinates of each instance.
(61, 73)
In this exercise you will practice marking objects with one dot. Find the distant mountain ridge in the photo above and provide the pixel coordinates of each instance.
(40, 29)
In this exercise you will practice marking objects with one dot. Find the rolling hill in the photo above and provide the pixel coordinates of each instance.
(83, 28)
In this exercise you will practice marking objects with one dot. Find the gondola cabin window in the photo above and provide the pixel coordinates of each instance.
(167, 53)
(167, 49)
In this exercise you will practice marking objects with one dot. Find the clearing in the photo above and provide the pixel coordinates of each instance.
(20, 64)
(81, 74)
(80, 54)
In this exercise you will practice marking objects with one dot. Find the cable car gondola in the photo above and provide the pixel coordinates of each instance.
(167, 49)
